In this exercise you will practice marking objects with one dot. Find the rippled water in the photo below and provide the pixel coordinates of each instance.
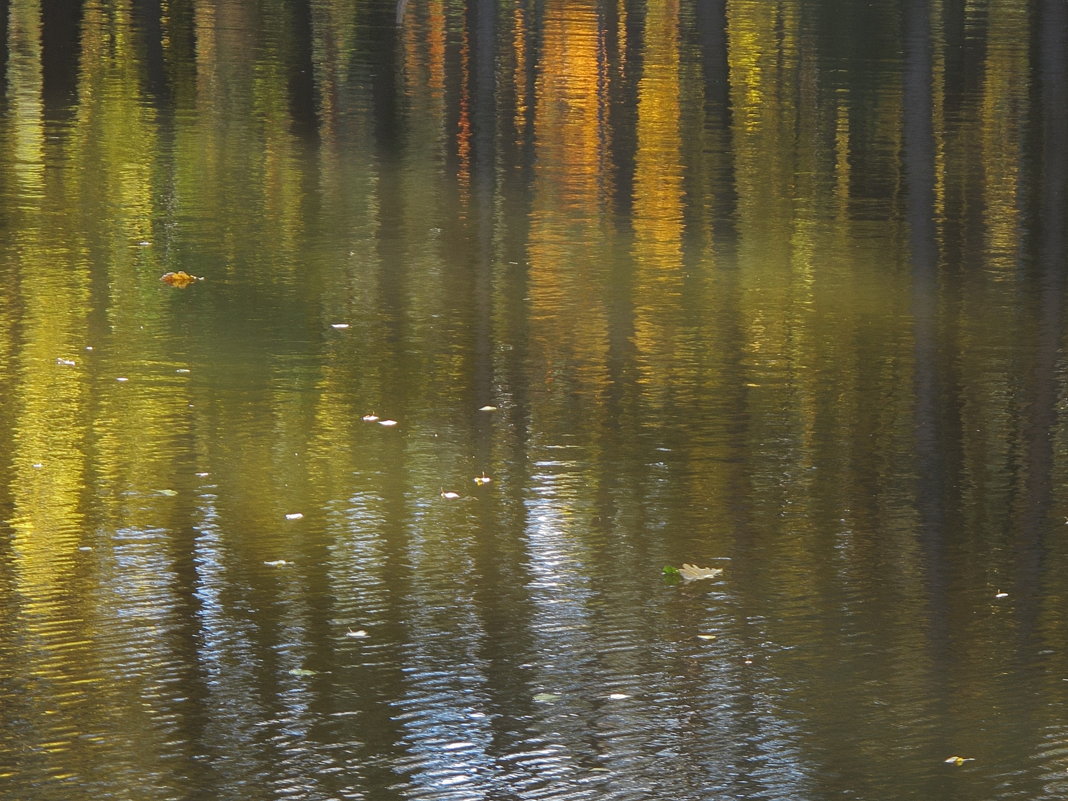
(771, 287)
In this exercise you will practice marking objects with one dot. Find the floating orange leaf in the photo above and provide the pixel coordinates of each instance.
(180, 279)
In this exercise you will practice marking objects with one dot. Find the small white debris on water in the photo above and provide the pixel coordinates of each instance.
(294, 516)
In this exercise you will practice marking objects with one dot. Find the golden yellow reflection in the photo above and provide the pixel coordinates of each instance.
(842, 144)
(521, 54)
(1005, 85)
(24, 85)
(658, 185)
(49, 392)
(658, 191)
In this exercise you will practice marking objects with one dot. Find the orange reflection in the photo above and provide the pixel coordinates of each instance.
(569, 134)
(565, 232)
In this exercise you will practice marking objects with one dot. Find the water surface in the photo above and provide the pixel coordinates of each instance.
(774, 287)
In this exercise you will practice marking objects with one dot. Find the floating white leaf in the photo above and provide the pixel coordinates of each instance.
(695, 573)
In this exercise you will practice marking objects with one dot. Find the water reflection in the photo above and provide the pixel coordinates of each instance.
(776, 287)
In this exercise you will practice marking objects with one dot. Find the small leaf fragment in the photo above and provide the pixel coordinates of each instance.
(302, 672)
(546, 698)
(487, 408)
(706, 636)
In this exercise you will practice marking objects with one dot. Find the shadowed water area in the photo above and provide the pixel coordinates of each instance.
(771, 286)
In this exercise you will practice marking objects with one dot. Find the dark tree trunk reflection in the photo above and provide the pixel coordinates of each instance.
(1051, 262)
(919, 163)
(60, 34)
